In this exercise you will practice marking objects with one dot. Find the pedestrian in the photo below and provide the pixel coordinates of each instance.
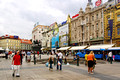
(113, 57)
(94, 63)
(90, 59)
(110, 57)
(21, 57)
(10, 54)
(86, 62)
(104, 55)
(51, 61)
(59, 60)
(6, 54)
(28, 56)
(16, 62)
(78, 60)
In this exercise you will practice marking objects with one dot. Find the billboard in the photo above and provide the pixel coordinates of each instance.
(55, 38)
(64, 35)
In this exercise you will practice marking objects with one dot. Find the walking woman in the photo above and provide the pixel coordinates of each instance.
(90, 59)
(50, 61)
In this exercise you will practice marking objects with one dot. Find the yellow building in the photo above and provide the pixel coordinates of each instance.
(10, 43)
(112, 13)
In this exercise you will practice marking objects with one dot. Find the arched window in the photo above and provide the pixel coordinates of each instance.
(118, 17)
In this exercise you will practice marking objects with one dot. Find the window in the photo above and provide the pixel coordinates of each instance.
(86, 19)
(97, 26)
(87, 28)
(118, 31)
(92, 18)
(108, 32)
(102, 25)
(101, 14)
(96, 16)
(118, 17)
(92, 28)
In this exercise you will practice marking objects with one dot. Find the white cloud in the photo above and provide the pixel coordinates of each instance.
(17, 17)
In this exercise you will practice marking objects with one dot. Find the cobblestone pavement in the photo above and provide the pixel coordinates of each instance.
(29, 71)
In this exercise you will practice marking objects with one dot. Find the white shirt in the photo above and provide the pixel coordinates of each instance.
(60, 55)
(110, 54)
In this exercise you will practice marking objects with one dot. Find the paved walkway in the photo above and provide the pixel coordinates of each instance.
(29, 71)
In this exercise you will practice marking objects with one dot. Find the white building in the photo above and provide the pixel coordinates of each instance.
(37, 33)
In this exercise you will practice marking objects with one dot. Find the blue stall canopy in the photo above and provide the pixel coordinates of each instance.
(100, 47)
(114, 48)
(78, 48)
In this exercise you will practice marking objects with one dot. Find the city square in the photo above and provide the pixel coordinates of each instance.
(60, 40)
(29, 71)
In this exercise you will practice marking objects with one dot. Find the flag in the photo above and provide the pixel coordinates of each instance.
(75, 16)
(110, 22)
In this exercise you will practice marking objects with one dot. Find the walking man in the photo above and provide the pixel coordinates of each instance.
(59, 61)
(110, 57)
(16, 60)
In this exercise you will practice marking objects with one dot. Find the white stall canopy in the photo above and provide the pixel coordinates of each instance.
(64, 48)
(114, 48)
(78, 47)
(102, 46)
(1, 48)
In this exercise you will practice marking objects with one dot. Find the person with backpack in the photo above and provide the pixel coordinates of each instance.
(50, 61)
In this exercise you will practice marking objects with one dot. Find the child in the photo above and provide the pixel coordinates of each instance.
(94, 63)
(113, 57)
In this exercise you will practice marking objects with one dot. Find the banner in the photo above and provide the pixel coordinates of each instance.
(64, 35)
(110, 22)
(98, 3)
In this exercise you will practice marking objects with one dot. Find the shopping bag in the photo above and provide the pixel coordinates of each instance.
(47, 64)
(12, 67)
(59, 63)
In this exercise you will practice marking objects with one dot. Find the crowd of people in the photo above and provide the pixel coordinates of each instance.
(17, 59)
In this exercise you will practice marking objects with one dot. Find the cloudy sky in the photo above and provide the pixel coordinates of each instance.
(17, 17)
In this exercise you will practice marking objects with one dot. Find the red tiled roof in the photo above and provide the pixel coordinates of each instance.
(26, 41)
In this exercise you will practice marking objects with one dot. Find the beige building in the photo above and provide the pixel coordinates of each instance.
(10, 42)
(87, 27)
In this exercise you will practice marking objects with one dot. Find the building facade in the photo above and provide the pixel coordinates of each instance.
(37, 32)
(112, 30)
(26, 45)
(87, 27)
(8, 42)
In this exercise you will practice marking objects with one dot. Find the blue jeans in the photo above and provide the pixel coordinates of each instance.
(51, 66)
(60, 65)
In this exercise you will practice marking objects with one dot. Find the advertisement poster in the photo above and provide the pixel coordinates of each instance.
(63, 35)
(55, 38)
